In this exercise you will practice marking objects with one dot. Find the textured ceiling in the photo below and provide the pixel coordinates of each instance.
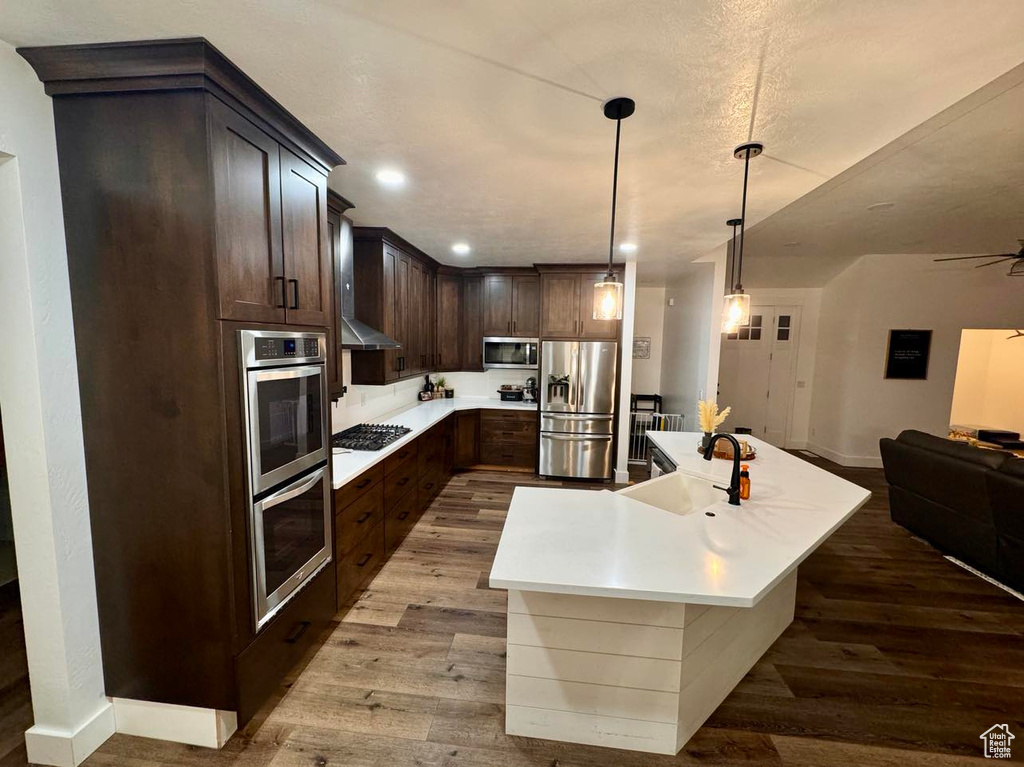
(953, 185)
(492, 107)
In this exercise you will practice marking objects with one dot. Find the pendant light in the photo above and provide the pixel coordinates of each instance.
(736, 310)
(608, 292)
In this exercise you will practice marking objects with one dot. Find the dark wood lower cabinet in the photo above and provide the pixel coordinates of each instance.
(375, 511)
(275, 651)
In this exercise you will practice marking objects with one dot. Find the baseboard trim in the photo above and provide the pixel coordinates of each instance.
(850, 461)
(63, 748)
(180, 724)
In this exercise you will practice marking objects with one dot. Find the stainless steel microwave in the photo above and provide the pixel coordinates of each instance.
(511, 352)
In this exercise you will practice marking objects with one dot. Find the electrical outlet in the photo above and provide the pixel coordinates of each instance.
(362, 399)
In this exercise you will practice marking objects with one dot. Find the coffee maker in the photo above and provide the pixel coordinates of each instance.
(530, 390)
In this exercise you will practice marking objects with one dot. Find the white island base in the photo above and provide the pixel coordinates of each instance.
(630, 674)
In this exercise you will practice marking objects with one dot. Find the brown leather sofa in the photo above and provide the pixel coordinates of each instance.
(965, 501)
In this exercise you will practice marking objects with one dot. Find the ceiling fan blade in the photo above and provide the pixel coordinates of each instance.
(997, 261)
(987, 255)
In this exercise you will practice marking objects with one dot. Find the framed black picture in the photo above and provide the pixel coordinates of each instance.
(907, 357)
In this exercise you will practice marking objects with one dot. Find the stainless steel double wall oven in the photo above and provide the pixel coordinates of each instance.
(286, 410)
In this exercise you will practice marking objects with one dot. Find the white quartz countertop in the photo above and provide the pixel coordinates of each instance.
(419, 417)
(602, 544)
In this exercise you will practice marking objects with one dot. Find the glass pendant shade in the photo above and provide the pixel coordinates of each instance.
(608, 299)
(735, 312)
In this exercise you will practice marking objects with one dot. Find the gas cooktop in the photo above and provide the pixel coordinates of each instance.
(368, 436)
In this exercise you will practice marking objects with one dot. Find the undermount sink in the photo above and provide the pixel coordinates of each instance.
(676, 492)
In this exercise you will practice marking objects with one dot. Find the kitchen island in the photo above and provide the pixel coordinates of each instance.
(632, 615)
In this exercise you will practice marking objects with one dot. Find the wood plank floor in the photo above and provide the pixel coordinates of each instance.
(896, 657)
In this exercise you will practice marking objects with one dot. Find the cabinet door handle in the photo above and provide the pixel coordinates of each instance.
(365, 516)
(298, 632)
(363, 484)
(295, 293)
(403, 515)
(402, 481)
(284, 293)
(366, 558)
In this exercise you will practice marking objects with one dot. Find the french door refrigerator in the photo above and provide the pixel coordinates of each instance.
(577, 408)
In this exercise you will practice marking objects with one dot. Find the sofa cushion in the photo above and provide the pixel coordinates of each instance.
(947, 473)
(954, 533)
(1006, 488)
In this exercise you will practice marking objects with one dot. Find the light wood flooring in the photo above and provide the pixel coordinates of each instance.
(896, 657)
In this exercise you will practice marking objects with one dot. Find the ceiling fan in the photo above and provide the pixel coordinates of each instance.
(1016, 268)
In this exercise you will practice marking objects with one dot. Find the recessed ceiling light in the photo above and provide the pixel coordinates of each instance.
(390, 177)
(628, 247)
(790, 244)
(881, 206)
(461, 249)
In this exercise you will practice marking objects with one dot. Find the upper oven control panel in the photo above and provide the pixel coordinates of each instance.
(286, 348)
(265, 348)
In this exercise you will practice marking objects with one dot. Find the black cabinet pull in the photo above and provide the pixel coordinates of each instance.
(298, 632)
(363, 484)
(365, 516)
(403, 515)
(284, 293)
(366, 558)
(403, 481)
(295, 293)
(513, 326)
(429, 485)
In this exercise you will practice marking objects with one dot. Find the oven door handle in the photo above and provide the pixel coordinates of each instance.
(294, 490)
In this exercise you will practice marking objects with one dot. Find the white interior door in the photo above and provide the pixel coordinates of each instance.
(757, 372)
(744, 370)
(782, 373)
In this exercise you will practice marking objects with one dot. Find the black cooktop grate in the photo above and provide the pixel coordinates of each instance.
(368, 436)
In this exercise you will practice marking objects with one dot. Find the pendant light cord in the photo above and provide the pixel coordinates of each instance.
(615, 191)
(732, 263)
(743, 221)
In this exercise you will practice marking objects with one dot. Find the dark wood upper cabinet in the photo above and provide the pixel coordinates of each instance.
(560, 305)
(472, 323)
(567, 306)
(449, 312)
(303, 225)
(247, 201)
(497, 307)
(395, 294)
(335, 368)
(526, 305)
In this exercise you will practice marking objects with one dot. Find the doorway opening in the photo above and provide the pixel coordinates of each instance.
(757, 372)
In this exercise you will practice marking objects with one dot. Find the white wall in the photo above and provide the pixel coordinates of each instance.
(989, 387)
(692, 339)
(649, 321)
(853, 406)
(43, 433)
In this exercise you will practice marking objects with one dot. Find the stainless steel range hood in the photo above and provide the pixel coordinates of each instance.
(355, 335)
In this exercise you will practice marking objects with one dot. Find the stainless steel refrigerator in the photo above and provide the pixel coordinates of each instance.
(577, 408)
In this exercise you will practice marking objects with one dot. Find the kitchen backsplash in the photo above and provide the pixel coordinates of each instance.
(367, 403)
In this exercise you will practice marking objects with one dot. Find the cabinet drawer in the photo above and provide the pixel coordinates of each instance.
(507, 416)
(405, 453)
(431, 450)
(356, 567)
(507, 455)
(359, 517)
(399, 521)
(281, 644)
(429, 487)
(400, 482)
(351, 491)
(511, 433)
